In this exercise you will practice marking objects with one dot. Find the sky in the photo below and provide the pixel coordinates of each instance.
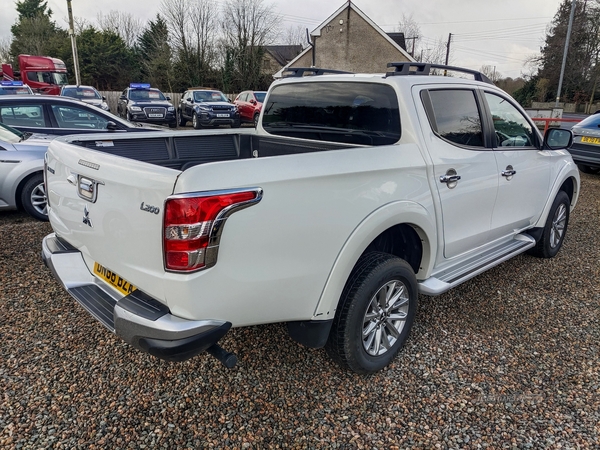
(501, 34)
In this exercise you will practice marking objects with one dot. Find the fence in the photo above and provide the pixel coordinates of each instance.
(581, 108)
(112, 97)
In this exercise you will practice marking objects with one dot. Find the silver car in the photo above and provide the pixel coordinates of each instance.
(87, 94)
(21, 171)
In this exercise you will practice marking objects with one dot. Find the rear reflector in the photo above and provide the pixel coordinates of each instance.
(194, 221)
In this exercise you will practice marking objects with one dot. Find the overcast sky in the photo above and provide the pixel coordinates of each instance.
(497, 33)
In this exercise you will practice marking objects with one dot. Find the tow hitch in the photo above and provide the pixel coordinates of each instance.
(228, 359)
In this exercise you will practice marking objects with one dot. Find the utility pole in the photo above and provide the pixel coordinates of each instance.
(413, 44)
(564, 60)
(73, 43)
(448, 48)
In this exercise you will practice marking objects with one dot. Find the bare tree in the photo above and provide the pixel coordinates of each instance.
(249, 25)
(295, 36)
(193, 29)
(5, 50)
(491, 72)
(412, 34)
(124, 24)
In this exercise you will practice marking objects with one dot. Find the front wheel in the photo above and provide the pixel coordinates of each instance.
(255, 120)
(196, 121)
(375, 315)
(33, 198)
(182, 120)
(555, 228)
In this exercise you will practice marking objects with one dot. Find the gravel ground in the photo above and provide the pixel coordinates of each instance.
(509, 359)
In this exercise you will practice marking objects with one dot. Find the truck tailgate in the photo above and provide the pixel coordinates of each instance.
(110, 208)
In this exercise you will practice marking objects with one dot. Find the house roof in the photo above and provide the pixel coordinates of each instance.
(398, 38)
(317, 32)
(283, 53)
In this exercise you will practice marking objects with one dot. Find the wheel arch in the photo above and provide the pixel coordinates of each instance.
(403, 228)
(22, 184)
(567, 179)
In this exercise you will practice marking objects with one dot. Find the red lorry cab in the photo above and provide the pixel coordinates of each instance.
(44, 74)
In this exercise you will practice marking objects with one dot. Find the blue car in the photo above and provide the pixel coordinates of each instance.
(207, 108)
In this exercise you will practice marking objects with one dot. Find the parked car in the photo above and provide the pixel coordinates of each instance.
(14, 88)
(586, 144)
(249, 104)
(142, 103)
(51, 114)
(207, 108)
(86, 94)
(21, 171)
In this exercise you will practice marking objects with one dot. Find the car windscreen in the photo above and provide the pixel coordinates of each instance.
(146, 94)
(15, 90)
(347, 112)
(260, 96)
(81, 93)
(209, 96)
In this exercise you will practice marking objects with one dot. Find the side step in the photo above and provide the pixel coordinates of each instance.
(446, 279)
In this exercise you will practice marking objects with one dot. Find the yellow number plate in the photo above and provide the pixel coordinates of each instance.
(591, 140)
(124, 286)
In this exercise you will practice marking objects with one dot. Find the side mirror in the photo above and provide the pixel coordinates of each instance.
(122, 97)
(229, 100)
(253, 101)
(558, 139)
(190, 100)
(103, 98)
(168, 98)
(110, 125)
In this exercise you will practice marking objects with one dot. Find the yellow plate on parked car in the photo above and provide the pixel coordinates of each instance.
(118, 282)
(590, 140)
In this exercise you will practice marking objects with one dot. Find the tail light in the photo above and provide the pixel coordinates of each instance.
(194, 223)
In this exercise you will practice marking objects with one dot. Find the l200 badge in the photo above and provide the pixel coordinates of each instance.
(149, 208)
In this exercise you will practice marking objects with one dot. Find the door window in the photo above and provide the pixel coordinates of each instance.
(457, 117)
(23, 116)
(511, 128)
(73, 117)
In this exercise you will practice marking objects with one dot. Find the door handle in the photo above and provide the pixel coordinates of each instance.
(449, 178)
(508, 173)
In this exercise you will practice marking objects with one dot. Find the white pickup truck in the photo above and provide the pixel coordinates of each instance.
(354, 194)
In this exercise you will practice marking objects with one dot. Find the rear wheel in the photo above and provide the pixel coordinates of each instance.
(236, 123)
(33, 198)
(255, 120)
(375, 315)
(555, 228)
(588, 169)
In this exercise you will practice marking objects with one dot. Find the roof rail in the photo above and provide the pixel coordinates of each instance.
(291, 72)
(412, 68)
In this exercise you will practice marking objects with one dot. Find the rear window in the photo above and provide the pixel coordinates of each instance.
(346, 112)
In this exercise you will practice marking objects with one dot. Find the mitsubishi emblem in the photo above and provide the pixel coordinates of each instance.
(86, 217)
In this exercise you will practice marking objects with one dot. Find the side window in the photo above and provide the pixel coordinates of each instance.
(510, 126)
(23, 116)
(457, 116)
(243, 97)
(73, 117)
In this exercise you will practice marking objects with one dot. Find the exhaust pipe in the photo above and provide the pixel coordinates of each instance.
(228, 359)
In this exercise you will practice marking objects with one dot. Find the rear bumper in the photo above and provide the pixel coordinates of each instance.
(137, 318)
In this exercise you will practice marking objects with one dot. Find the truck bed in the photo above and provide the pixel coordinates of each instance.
(180, 151)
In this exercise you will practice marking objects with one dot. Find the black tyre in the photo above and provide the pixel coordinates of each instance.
(182, 120)
(196, 121)
(375, 314)
(555, 228)
(128, 117)
(236, 123)
(255, 120)
(33, 198)
(173, 125)
(588, 169)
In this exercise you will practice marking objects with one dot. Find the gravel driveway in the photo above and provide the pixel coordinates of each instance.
(509, 359)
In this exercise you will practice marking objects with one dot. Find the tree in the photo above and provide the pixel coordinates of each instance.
(295, 36)
(250, 26)
(127, 26)
(583, 54)
(192, 30)
(155, 55)
(34, 32)
(491, 73)
(412, 34)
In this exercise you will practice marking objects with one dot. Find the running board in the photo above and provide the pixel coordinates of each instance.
(447, 279)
